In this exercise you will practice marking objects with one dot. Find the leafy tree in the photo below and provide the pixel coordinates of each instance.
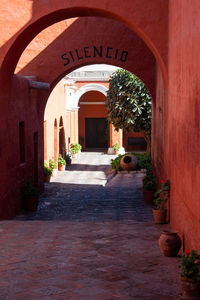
(129, 104)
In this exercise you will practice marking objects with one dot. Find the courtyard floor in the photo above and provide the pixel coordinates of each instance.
(91, 239)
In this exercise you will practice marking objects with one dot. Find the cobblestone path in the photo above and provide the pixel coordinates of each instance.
(90, 240)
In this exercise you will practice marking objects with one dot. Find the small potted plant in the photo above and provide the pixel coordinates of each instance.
(30, 196)
(47, 173)
(149, 185)
(53, 167)
(79, 148)
(74, 150)
(116, 148)
(61, 163)
(161, 196)
(190, 275)
(68, 158)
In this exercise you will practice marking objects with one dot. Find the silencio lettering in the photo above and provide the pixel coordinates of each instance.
(95, 51)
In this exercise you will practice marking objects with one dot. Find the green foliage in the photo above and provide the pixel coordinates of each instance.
(149, 181)
(162, 195)
(116, 147)
(115, 163)
(190, 265)
(144, 161)
(61, 160)
(29, 190)
(75, 148)
(52, 164)
(47, 170)
(128, 103)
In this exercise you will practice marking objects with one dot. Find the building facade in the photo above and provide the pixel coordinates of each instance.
(157, 40)
(76, 113)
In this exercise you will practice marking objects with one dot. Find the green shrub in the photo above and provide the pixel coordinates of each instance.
(61, 161)
(116, 147)
(29, 190)
(144, 161)
(149, 182)
(52, 164)
(161, 196)
(47, 170)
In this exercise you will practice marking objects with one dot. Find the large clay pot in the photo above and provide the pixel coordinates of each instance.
(128, 162)
(159, 216)
(170, 243)
(148, 196)
(190, 289)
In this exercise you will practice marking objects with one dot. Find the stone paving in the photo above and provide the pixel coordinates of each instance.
(90, 240)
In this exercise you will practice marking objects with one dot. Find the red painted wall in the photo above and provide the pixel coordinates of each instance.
(176, 125)
(24, 106)
(182, 134)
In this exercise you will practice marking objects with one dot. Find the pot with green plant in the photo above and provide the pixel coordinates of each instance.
(79, 148)
(47, 173)
(149, 185)
(161, 197)
(61, 163)
(53, 167)
(116, 148)
(68, 158)
(30, 196)
(74, 150)
(190, 275)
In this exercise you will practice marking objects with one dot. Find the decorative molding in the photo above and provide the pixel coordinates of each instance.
(95, 103)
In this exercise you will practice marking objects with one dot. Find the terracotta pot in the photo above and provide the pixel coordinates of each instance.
(159, 216)
(128, 162)
(47, 178)
(74, 155)
(116, 152)
(148, 196)
(31, 203)
(190, 289)
(61, 167)
(170, 243)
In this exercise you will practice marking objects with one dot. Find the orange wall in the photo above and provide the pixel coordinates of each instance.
(90, 111)
(55, 110)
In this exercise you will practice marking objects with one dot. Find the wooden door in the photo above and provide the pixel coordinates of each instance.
(96, 132)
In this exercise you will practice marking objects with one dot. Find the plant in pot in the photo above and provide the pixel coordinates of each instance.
(61, 163)
(116, 148)
(74, 150)
(68, 158)
(47, 172)
(53, 167)
(30, 196)
(190, 275)
(149, 186)
(79, 148)
(161, 196)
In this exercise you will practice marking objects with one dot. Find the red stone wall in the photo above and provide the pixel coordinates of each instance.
(183, 123)
(23, 106)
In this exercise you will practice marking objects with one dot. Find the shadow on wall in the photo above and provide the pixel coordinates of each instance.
(64, 47)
